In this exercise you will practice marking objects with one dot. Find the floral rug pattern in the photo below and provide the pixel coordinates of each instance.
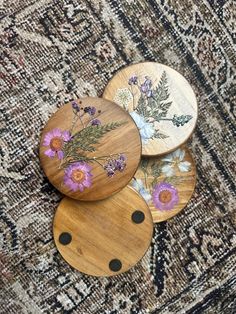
(56, 51)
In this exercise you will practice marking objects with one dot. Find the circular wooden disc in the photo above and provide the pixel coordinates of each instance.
(103, 238)
(103, 148)
(161, 102)
(175, 173)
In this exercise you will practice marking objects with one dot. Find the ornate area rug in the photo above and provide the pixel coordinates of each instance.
(53, 51)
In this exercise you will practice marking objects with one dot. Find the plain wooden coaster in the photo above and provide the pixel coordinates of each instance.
(100, 154)
(103, 238)
(167, 183)
(161, 102)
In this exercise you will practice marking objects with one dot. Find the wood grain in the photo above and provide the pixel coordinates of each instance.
(184, 182)
(181, 96)
(102, 231)
(124, 139)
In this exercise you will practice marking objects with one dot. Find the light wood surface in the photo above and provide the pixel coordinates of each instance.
(179, 95)
(123, 139)
(103, 231)
(183, 182)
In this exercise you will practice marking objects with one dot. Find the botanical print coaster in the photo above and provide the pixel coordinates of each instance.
(84, 151)
(161, 102)
(166, 183)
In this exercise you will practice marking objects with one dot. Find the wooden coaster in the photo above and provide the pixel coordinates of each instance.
(161, 102)
(84, 149)
(103, 238)
(166, 183)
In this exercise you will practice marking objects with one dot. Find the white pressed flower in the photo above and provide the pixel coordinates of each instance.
(123, 97)
(175, 159)
(146, 129)
(138, 185)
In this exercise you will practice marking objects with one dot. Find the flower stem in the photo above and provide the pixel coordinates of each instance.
(132, 96)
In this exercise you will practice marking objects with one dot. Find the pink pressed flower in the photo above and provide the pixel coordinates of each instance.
(165, 196)
(78, 176)
(55, 140)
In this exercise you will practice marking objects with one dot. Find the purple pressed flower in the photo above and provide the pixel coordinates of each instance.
(133, 80)
(122, 157)
(55, 140)
(90, 110)
(146, 87)
(75, 106)
(95, 122)
(78, 176)
(110, 172)
(114, 165)
(165, 196)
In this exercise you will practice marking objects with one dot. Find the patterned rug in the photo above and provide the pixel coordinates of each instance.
(53, 51)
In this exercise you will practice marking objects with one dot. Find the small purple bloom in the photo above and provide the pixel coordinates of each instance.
(165, 196)
(95, 122)
(114, 165)
(78, 176)
(75, 106)
(146, 87)
(110, 172)
(90, 110)
(133, 80)
(55, 140)
(122, 157)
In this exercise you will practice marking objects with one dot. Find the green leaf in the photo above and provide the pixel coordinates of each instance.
(181, 120)
(89, 136)
(159, 135)
(144, 165)
(156, 170)
(141, 107)
(159, 106)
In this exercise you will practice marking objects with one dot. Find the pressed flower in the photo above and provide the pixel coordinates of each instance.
(95, 122)
(138, 185)
(133, 80)
(175, 159)
(123, 97)
(90, 110)
(75, 106)
(114, 165)
(146, 87)
(165, 196)
(78, 176)
(146, 129)
(55, 140)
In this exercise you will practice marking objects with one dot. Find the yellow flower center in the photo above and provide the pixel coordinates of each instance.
(78, 176)
(165, 196)
(56, 143)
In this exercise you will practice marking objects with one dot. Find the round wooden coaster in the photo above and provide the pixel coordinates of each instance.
(166, 183)
(161, 102)
(103, 238)
(84, 149)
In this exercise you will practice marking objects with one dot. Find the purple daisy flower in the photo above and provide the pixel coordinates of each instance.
(78, 176)
(165, 196)
(55, 140)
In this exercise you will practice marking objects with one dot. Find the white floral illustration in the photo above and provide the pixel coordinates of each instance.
(123, 97)
(146, 129)
(138, 185)
(175, 161)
